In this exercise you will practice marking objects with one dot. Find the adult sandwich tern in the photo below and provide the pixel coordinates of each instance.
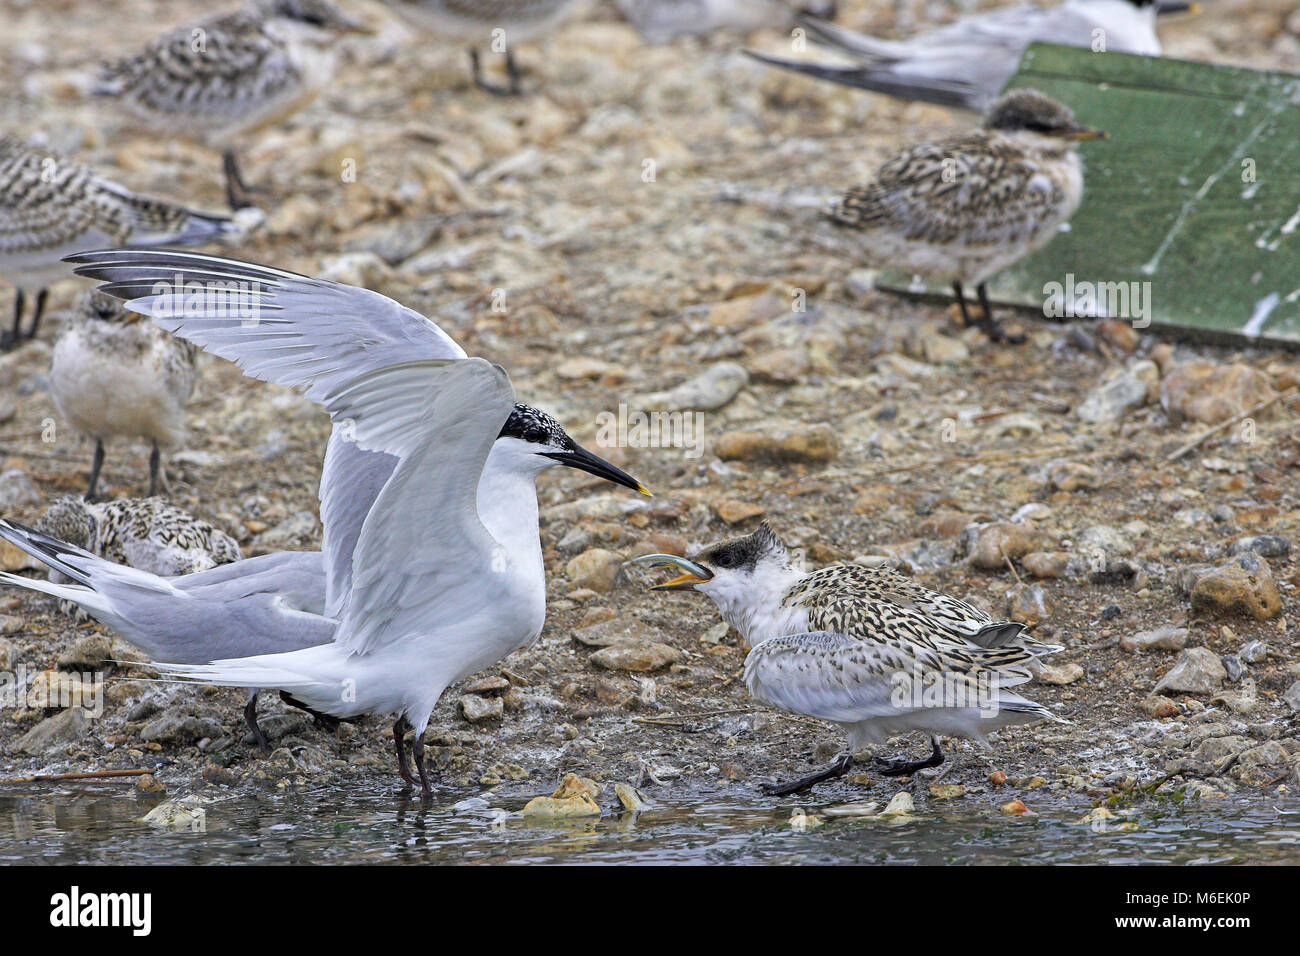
(498, 23)
(415, 424)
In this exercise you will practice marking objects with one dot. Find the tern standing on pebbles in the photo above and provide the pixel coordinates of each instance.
(961, 209)
(432, 557)
(968, 62)
(490, 23)
(50, 207)
(230, 75)
(863, 648)
(115, 374)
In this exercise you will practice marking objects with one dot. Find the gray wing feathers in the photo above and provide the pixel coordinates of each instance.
(350, 483)
(826, 675)
(278, 326)
(440, 419)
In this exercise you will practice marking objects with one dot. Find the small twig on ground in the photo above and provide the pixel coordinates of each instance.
(1014, 572)
(688, 718)
(1224, 426)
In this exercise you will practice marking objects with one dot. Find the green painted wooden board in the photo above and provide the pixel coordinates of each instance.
(1169, 199)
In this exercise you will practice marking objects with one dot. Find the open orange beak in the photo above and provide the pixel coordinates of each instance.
(693, 573)
(1086, 132)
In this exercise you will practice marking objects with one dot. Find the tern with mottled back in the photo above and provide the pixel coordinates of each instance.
(231, 75)
(863, 648)
(50, 207)
(961, 209)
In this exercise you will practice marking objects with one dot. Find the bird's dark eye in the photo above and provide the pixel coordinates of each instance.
(724, 558)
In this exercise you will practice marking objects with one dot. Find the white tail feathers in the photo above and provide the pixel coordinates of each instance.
(78, 594)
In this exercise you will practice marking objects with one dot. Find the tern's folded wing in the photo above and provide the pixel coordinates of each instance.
(423, 554)
(839, 678)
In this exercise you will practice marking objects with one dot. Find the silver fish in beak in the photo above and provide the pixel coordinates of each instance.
(692, 575)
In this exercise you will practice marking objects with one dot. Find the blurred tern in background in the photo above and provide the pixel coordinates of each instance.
(967, 63)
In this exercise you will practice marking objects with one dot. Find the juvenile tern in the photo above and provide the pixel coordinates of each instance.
(968, 62)
(496, 23)
(147, 533)
(961, 209)
(415, 425)
(50, 207)
(115, 374)
(230, 75)
(863, 648)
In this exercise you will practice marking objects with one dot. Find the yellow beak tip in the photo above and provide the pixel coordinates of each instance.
(644, 490)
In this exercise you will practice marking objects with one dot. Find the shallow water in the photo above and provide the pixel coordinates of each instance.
(98, 824)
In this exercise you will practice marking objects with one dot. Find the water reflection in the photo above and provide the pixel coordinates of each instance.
(97, 824)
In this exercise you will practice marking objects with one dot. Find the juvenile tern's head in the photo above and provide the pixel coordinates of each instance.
(732, 568)
(1032, 112)
(536, 441)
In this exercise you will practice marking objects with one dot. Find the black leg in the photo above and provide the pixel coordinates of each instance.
(324, 721)
(902, 767)
(399, 745)
(36, 316)
(9, 339)
(838, 768)
(155, 467)
(991, 328)
(426, 791)
(961, 301)
(237, 190)
(250, 718)
(512, 70)
(476, 65)
(96, 464)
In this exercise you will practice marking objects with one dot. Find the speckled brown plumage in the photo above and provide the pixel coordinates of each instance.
(117, 529)
(982, 188)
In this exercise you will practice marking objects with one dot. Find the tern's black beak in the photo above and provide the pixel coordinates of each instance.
(1176, 6)
(694, 573)
(578, 457)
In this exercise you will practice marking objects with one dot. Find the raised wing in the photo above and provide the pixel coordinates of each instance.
(438, 419)
(290, 329)
(276, 325)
